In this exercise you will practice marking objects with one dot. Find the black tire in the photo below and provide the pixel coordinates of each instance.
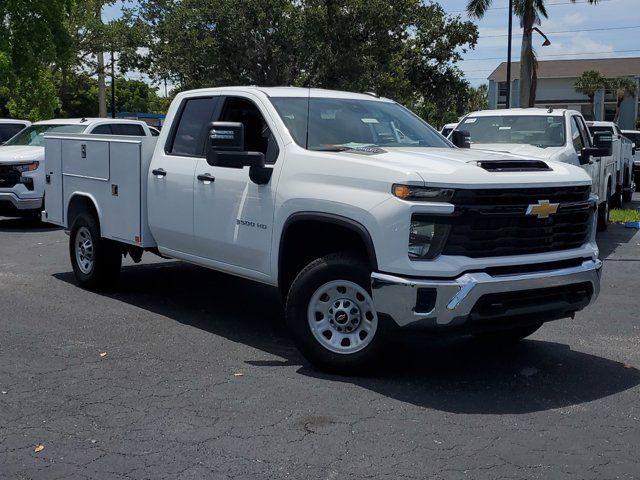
(511, 335)
(106, 255)
(603, 215)
(615, 200)
(308, 283)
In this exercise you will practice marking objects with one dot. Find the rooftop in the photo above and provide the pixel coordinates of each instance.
(609, 67)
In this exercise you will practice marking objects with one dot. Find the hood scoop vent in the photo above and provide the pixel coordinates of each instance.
(514, 165)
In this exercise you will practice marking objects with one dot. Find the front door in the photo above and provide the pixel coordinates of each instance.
(233, 216)
(581, 139)
(170, 183)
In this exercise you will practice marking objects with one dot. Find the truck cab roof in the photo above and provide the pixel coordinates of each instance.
(296, 92)
(522, 111)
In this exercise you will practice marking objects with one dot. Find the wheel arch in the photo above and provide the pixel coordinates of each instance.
(78, 203)
(309, 222)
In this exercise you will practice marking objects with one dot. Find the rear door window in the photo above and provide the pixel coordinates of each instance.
(127, 129)
(102, 130)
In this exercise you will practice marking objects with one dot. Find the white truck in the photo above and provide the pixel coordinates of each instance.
(363, 216)
(622, 153)
(22, 173)
(634, 136)
(9, 127)
(550, 135)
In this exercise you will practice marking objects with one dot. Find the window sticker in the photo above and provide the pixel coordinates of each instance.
(471, 120)
(369, 120)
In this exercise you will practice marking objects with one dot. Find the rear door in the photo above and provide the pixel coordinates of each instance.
(170, 191)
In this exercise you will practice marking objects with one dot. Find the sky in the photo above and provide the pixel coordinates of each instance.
(609, 29)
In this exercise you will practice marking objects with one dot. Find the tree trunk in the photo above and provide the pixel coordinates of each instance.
(526, 59)
(618, 105)
(592, 100)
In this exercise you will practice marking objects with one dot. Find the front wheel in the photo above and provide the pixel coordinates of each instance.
(96, 261)
(332, 317)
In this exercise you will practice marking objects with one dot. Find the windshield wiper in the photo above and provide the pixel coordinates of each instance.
(336, 148)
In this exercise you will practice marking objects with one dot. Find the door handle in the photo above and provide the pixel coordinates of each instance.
(207, 178)
(159, 172)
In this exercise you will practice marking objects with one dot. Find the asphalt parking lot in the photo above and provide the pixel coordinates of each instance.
(184, 373)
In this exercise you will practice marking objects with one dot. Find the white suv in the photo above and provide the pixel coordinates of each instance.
(22, 173)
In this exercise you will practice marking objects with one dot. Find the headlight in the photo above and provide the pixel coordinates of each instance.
(26, 167)
(426, 239)
(422, 194)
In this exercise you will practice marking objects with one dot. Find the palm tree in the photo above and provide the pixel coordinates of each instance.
(529, 12)
(588, 84)
(622, 87)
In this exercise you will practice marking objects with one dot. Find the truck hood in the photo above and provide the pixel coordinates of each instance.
(19, 153)
(528, 151)
(456, 167)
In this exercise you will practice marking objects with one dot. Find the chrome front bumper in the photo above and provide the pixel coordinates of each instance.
(21, 203)
(455, 299)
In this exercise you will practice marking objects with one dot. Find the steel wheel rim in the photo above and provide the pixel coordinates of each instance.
(342, 317)
(84, 250)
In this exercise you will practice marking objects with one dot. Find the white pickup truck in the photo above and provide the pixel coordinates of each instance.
(22, 175)
(622, 153)
(551, 135)
(364, 217)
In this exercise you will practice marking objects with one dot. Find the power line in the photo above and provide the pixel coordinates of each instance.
(547, 5)
(541, 57)
(569, 31)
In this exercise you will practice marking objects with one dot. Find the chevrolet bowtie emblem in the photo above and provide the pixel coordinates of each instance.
(543, 209)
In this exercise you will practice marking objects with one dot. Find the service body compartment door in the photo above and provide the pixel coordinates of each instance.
(53, 193)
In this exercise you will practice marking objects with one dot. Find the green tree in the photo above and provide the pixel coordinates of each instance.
(622, 87)
(477, 99)
(588, 84)
(33, 37)
(530, 13)
(406, 49)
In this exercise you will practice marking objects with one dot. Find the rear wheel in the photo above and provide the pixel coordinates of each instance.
(96, 261)
(511, 335)
(332, 317)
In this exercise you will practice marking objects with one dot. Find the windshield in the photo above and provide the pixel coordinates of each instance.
(8, 130)
(538, 130)
(33, 136)
(342, 124)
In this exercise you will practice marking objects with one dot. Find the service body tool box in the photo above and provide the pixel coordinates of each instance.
(111, 172)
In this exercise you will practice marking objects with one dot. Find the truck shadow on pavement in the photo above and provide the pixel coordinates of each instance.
(22, 225)
(451, 375)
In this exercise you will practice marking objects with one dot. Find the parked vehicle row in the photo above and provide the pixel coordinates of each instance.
(22, 171)
(363, 216)
(558, 135)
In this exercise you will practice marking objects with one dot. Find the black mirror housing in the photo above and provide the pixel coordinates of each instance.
(226, 136)
(460, 138)
(603, 141)
(224, 159)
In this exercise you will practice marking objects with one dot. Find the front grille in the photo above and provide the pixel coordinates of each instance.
(491, 223)
(520, 196)
(8, 176)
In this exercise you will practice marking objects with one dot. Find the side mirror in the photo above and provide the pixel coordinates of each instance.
(226, 147)
(604, 143)
(460, 138)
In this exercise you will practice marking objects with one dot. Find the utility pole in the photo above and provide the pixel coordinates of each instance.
(102, 87)
(508, 104)
(113, 85)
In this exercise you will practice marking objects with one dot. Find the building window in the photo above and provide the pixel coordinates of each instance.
(502, 89)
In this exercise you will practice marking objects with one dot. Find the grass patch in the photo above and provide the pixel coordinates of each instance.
(624, 215)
